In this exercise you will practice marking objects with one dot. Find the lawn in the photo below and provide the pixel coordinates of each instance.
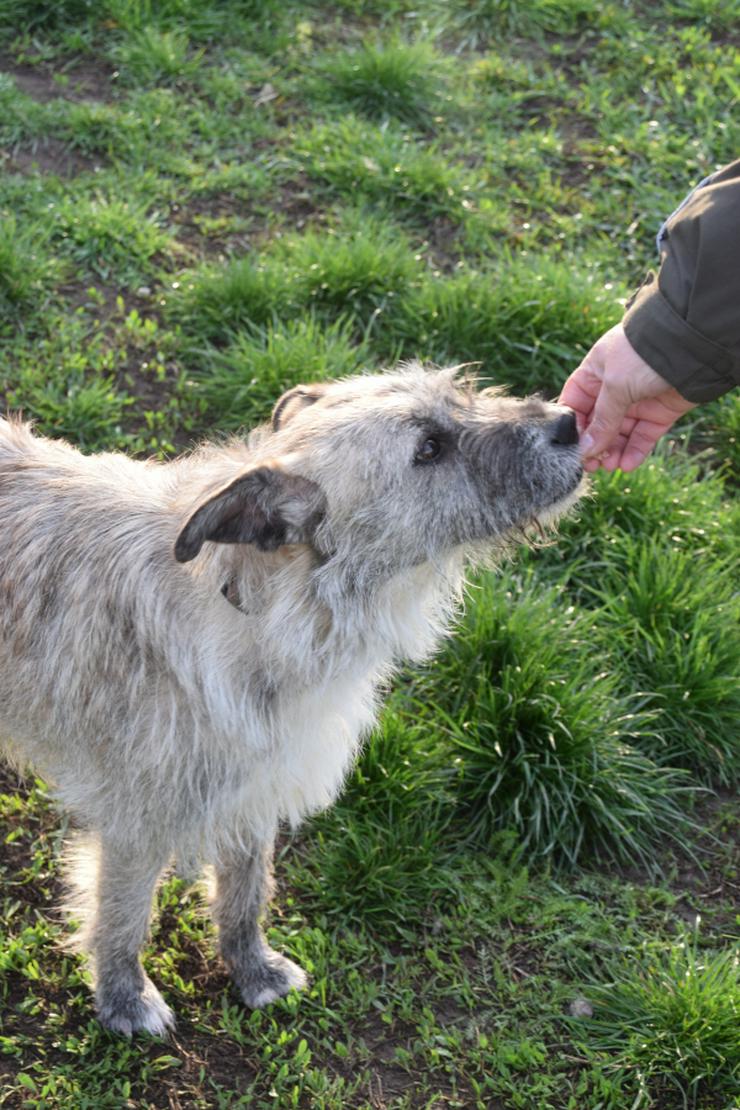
(528, 895)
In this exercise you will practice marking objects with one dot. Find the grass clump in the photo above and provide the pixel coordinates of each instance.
(668, 1022)
(670, 495)
(386, 834)
(218, 300)
(239, 386)
(110, 236)
(392, 80)
(521, 320)
(358, 272)
(718, 428)
(675, 631)
(386, 167)
(538, 736)
(43, 15)
(157, 56)
(353, 275)
(25, 267)
(480, 21)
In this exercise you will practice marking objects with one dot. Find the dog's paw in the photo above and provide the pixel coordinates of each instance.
(130, 1012)
(270, 978)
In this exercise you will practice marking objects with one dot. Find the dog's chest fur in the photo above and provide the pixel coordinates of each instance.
(313, 700)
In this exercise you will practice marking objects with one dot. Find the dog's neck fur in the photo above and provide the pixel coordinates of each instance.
(379, 618)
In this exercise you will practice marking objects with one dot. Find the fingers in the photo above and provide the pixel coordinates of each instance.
(609, 412)
(641, 442)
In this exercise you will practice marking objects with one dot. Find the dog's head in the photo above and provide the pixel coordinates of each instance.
(396, 469)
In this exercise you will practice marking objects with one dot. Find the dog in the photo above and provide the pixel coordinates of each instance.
(192, 651)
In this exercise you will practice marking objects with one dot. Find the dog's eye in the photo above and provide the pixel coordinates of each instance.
(429, 451)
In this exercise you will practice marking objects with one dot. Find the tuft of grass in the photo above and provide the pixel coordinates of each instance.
(391, 80)
(239, 386)
(675, 632)
(384, 165)
(353, 275)
(719, 16)
(25, 268)
(390, 827)
(670, 495)
(538, 736)
(110, 236)
(357, 272)
(157, 56)
(479, 22)
(522, 320)
(668, 1023)
(718, 428)
(44, 15)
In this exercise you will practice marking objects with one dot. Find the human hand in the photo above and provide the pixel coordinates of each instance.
(622, 405)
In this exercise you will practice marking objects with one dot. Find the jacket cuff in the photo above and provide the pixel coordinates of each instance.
(697, 367)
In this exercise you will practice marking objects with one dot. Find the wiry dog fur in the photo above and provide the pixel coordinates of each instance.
(192, 651)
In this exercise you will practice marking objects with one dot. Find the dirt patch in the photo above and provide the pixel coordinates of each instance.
(707, 887)
(48, 155)
(75, 79)
(223, 224)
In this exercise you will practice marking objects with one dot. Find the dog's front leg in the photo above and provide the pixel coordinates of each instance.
(243, 885)
(121, 896)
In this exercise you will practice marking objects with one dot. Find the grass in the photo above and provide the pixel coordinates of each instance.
(392, 79)
(678, 639)
(538, 738)
(670, 1019)
(203, 204)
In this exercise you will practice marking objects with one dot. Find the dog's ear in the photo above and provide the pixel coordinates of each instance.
(266, 506)
(292, 402)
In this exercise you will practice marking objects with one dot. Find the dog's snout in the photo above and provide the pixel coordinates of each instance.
(564, 430)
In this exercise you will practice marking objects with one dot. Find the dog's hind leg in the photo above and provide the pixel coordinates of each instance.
(114, 889)
(243, 885)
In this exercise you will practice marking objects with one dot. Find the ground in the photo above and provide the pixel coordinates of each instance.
(527, 896)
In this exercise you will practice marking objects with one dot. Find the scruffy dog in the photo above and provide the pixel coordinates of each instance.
(192, 651)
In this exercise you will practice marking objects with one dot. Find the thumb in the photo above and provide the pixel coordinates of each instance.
(609, 411)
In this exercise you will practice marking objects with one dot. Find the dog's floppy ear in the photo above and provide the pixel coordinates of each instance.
(292, 402)
(266, 506)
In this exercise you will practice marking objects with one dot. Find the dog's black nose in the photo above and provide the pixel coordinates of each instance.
(564, 430)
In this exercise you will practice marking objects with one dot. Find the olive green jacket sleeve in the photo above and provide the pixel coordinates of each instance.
(685, 322)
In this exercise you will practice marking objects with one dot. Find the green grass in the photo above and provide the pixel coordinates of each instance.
(381, 80)
(678, 638)
(203, 204)
(150, 54)
(669, 1020)
(26, 269)
(539, 740)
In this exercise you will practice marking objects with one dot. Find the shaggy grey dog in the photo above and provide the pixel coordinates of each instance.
(192, 651)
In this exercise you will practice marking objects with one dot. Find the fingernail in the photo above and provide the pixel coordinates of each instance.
(587, 443)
